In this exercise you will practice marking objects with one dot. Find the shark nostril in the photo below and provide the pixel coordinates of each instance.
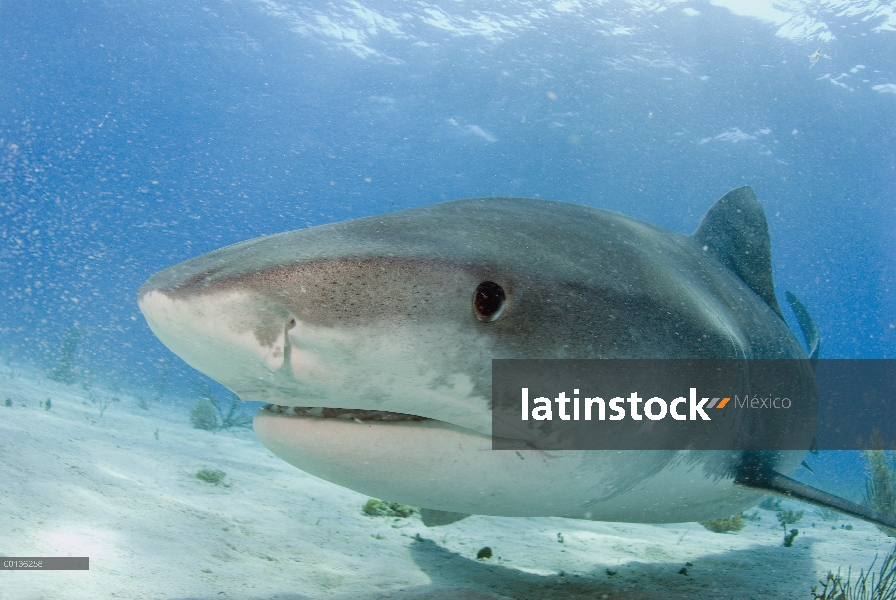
(489, 300)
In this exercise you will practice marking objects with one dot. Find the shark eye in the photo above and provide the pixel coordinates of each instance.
(488, 301)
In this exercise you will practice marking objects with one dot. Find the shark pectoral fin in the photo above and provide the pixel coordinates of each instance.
(434, 518)
(772, 481)
(807, 325)
(735, 231)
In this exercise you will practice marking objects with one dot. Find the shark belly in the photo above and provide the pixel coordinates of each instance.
(447, 468)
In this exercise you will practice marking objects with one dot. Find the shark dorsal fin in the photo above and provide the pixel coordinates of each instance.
(735, 231)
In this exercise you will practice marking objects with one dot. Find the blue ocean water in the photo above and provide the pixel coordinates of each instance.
(135, 135)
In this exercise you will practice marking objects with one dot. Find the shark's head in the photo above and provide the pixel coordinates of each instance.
(404, 312)
(389, 323)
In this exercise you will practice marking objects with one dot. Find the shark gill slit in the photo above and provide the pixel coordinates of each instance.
(287, 349)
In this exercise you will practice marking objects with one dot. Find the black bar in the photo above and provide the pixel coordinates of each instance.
(45, 563)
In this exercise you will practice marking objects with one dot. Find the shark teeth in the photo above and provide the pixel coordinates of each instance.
(348, 414)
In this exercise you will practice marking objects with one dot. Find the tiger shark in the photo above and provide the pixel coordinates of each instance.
(372, 341)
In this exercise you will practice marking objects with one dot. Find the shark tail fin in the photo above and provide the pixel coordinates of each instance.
(807, 325)
(771, 481)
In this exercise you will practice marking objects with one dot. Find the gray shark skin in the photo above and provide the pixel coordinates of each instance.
(377, 314)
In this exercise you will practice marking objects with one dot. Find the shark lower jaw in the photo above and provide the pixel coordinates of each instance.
(393, 456)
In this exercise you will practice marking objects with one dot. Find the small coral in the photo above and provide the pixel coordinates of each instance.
(868, 586)
(378, 508)
(484, 553)
(789, 517)
(162, 386)
(735, 523)
(202, 415)
(880, 490)
(789, 537)
(210, 476)
(826, 514)
(208, 412)
(771, 503)
(65, 371)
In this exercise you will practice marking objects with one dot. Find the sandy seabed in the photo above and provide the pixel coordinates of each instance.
(121, 489)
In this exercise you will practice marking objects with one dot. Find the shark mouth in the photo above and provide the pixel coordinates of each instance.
(346, 414)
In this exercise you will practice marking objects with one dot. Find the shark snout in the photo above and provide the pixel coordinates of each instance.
(235, 336)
